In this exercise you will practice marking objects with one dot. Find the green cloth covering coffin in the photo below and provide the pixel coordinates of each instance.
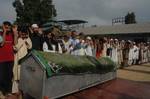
(55, 63)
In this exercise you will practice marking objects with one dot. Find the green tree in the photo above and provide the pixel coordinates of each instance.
(130, 18)
(34, 11)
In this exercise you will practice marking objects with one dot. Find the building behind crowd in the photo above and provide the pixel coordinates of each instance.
(135, 32)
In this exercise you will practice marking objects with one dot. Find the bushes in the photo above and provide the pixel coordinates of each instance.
(107, 64)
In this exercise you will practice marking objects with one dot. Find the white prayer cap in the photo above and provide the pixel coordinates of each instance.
(88, 38)
(123, 41)
(111, 39)
(129, 41)
(82, 41)
(35, 26)
(116, 39)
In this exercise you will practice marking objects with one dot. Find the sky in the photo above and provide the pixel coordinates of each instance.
(96, 12)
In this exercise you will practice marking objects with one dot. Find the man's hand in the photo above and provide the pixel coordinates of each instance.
(4, 29)
(26, 42)
(30, 29)
(15, 31)
(4, 34)
(40, 31)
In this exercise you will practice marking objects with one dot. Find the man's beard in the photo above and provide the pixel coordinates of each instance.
(36, 31)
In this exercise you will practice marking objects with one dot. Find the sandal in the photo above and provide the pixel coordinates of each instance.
(8, 95)
(1, 95)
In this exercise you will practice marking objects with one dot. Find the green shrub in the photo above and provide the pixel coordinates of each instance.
(107, 64)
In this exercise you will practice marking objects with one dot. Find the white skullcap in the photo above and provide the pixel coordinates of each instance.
(116, 39)
(88, 38)
(111, 39)
(129, 41)
(82, 41)
(123, 41)
(35, 26)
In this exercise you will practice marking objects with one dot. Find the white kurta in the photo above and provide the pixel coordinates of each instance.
(135, 53)
(22, 50)
(104, 50)
(45, 48)
(149, 55)
(115, 55)
(88, 51)
(119, 53)
(67, 46)
(131, 52)
(145, 54)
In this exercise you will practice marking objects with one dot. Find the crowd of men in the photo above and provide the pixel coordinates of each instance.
(17, 41)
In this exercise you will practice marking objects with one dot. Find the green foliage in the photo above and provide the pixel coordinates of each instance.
(107, 64)
(79, 64)
(130, 18)
(34, 11)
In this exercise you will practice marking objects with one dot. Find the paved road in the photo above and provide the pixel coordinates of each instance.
(116, 89)
(139, 73)
(132, 82)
